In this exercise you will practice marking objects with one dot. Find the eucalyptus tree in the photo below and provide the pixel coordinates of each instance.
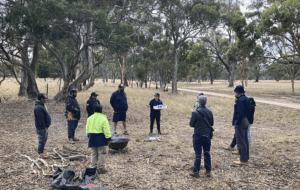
(218, 42)
(183, 20)
(280, 25)
(19, 47)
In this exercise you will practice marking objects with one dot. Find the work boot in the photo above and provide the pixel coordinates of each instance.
(71, 141)
(74, 139)
(45, 152)
(126, 133)
(43, 156)
(240, 162)
(230, 148)
(102, 171)
(236, 152)
(195, 174)
(208, 173)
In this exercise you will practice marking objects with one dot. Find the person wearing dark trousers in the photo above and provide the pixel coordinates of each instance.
(42, 123)
(92, 103)
(119, 103)
(233, 143)
(155, 113)
(72, 115)
(202, 121)
(241, 124)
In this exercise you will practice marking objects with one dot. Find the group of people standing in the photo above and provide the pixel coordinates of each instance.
(202, 121)
(98, 129)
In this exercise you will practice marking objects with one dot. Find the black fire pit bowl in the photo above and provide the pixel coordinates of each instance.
(118, 144)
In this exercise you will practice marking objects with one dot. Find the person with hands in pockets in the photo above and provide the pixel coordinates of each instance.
(155, 113)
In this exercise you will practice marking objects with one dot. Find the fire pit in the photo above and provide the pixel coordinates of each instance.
(118, 144)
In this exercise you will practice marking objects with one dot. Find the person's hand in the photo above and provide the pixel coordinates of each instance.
(108, 142)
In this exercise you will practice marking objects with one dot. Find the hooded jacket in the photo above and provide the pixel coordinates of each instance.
(199, 124)
(242, 110)
(72, 108)
(119, 101)
(41, 116)
(90, 106)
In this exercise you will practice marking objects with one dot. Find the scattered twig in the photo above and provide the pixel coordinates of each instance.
(69, 148)
(44, 162)
(34, 163)
(77, 157)
(62, 159)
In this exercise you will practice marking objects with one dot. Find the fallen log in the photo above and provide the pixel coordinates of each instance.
(69, 148)
(77, 157)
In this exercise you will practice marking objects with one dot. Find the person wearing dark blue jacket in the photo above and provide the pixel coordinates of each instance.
(42, 123)
(118, 101)
(202, 120)
(92, 103)
(241, 124)
(72, 115)
(155, 113)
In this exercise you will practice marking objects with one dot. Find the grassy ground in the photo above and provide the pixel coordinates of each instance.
(274, 155)
(265, 89)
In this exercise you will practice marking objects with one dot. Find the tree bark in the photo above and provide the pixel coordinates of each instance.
(174, 78)
(257, 73)
(24, 82)
(32, 89)
(231, 77)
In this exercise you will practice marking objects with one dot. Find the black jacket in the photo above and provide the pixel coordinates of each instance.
(119, 101)
(41, 116)
(73, 107)
(90, 106)
(200, 125)
(251, 117)
(242, 109)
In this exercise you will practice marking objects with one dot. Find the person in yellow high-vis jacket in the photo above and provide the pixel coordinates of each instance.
(98, 131)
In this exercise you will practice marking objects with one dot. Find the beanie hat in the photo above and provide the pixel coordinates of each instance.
(239, 89)
(202, 100)
(98, 109)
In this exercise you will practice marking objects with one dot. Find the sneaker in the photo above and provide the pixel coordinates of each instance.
(208, 173)
(71, 141)
(150, 133)
(159, 133)
(74, 139)
(240, 162)
(102, 171)
(195, 174)
(43, 156)
(45, 152)
(126, 133)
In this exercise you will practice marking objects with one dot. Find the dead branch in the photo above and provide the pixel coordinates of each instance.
(62, 159)
(34, 163)
(77, 157)
(69, 148)
(44, 162)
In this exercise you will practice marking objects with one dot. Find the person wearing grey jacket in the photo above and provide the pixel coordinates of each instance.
(202, 119)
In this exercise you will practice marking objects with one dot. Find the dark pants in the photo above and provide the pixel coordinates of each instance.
(199, 142)
(233, 143)
(241, 134)
(72, 125)
(43, 136)
(120, 116)
(155, 116)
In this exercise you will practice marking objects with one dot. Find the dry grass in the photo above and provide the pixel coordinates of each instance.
(262, 88)
(157, 165)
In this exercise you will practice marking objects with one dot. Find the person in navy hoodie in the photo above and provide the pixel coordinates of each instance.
(155, 114)
(119, 103)
(241, 124)
(42, 123)
(92, 103)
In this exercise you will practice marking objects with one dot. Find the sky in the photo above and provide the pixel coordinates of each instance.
(246, 3)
